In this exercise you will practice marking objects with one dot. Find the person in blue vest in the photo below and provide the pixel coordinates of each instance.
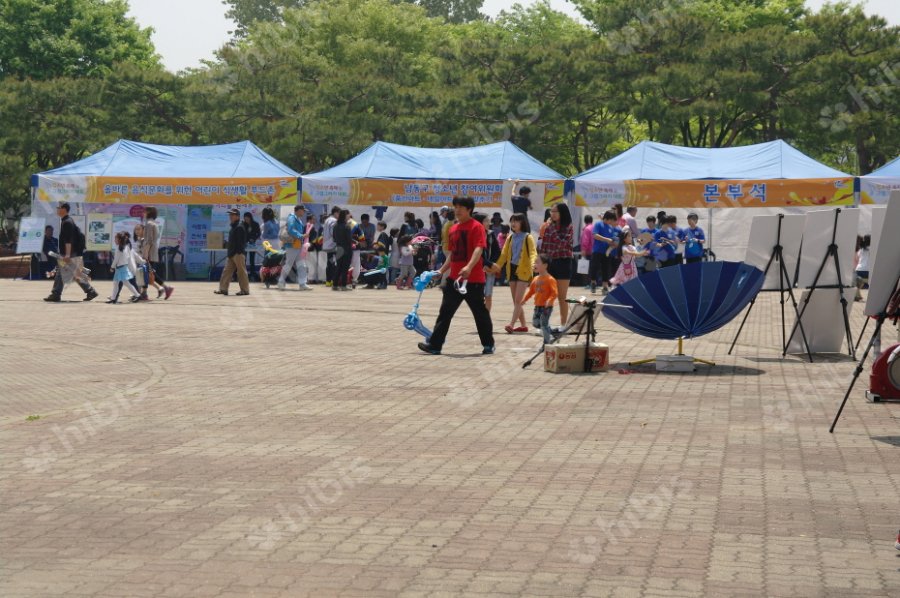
(694, 240)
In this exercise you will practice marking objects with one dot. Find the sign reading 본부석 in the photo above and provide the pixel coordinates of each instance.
(716, 193)
(154, 191)
(409, 193)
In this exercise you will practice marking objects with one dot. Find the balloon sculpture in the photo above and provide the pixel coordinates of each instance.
(412, 320)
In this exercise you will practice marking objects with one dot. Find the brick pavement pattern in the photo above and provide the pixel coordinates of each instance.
(297, 444)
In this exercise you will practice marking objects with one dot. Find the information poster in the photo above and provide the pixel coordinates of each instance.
(99, 232)
(31, 235)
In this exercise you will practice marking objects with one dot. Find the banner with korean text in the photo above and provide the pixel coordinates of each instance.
(157, 191)
(416, 193)
(716, 193)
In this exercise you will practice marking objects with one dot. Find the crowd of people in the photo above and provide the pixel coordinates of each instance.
(365, 254)
(134, 265)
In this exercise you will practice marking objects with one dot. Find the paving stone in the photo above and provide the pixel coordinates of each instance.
(298, 444)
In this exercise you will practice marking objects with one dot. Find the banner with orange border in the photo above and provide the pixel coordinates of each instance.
(717, 193)
(150, 191)
(409, 193)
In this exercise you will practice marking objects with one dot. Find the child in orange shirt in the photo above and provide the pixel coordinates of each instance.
(543, 287)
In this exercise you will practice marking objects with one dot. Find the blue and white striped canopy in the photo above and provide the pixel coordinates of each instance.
(684, 301)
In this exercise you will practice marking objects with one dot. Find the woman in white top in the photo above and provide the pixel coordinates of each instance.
(123, 267)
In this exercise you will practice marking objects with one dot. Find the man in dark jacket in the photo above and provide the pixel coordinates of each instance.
(236, 261)
(71, 264)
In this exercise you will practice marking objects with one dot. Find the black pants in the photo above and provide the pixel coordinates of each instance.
(450, 303)
(58, 286)
(341, 269)
(603, 267)
(330, 266)
(692, 260)
(157, 268)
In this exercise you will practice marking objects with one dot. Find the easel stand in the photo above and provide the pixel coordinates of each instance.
(890, 311)
(784, 286)
(831, 253)
(584, 320)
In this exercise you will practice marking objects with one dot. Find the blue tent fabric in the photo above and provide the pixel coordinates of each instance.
(496, 161)
(684, 301)
(649, 160)
(891, 170)
(133, 159)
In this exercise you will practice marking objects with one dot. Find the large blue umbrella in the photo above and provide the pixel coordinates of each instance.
(684, 301)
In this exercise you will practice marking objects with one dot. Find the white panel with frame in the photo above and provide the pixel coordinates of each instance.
(817, 236)
(885, 266)
(764, 235)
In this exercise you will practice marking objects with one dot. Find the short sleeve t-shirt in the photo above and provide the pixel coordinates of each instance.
(520, 204)
(464, 239)
(692, 248)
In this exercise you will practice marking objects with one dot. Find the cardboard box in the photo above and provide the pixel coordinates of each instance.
(215, 239)
(569, 358)
(674, 363)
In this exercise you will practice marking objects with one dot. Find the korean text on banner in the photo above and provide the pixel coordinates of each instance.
(410, 193)
(154, 191)
(772, 193)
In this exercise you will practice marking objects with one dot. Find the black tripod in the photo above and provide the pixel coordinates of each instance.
(832, 253)
(891, 310)
(784, 285)
(584, 324)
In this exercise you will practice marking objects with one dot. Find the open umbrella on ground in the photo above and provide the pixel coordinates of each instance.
(684, 301)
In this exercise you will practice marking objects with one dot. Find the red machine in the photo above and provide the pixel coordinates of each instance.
(884, 384)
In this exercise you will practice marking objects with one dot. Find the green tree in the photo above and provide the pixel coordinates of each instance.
(247, 12)
(42, 39)
(325, 83)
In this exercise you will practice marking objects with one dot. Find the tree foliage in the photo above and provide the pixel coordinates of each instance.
(42, 39)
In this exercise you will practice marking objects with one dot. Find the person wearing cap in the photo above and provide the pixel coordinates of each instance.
(71, 264)
(236, 260)
(521, 201)
(296, 228)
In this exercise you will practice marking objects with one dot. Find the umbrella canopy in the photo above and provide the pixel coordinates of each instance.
(684, 301)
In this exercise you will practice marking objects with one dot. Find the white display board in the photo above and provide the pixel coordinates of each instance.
(885, 265)
(878, 214)
(31, 235)
(817, 236)
(98, 235)
(823, 322)
(760, 245)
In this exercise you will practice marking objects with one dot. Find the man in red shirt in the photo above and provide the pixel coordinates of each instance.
(467, 242)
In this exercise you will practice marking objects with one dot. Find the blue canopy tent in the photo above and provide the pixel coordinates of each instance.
(193, 187)
(657, 175)
(129, 171)
(876, 186)
(387, 174)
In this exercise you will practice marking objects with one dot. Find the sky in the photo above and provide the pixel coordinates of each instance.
(199, 27)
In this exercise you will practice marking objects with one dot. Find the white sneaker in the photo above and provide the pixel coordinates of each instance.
(305, 287)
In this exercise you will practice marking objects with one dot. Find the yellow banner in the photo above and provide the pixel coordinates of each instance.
(139, 190)
(421, 193)
(716, 193)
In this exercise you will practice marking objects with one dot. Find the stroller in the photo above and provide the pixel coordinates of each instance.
(272, 262)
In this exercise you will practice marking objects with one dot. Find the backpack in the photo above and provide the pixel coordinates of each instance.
(284, 236)
(80, 242)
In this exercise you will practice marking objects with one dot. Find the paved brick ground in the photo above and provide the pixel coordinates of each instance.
(297, 444)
